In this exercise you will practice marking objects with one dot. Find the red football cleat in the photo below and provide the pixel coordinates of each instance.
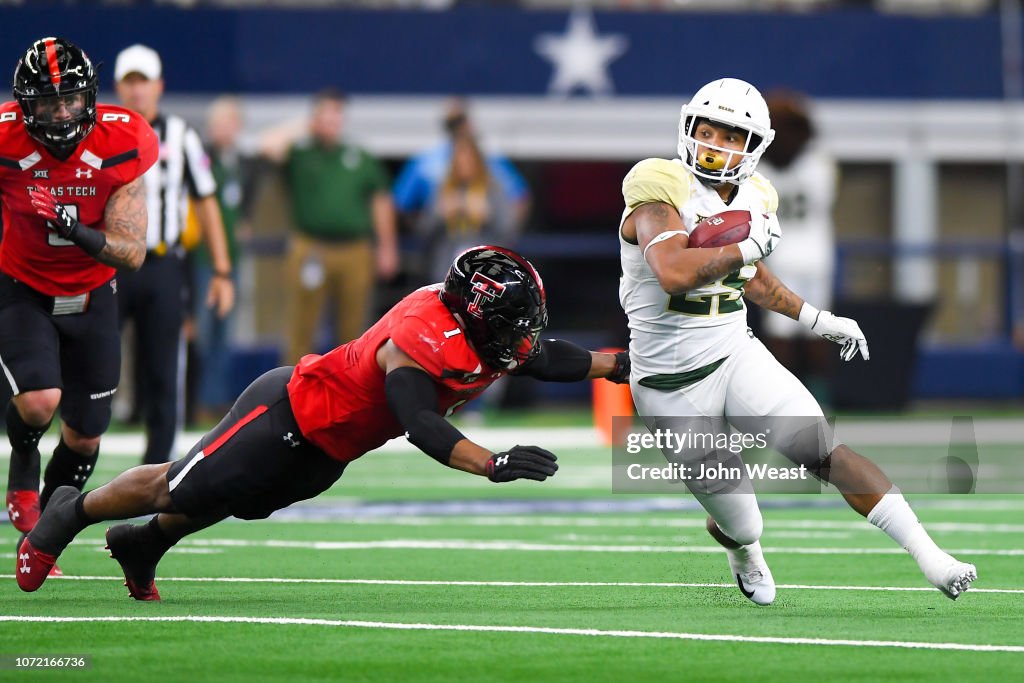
(33, 567)
(147, 592)
(23, 509)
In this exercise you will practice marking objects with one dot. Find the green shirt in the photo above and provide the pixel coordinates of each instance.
(331, 190)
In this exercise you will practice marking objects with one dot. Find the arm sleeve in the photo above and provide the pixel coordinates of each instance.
(412, 397)
(559, 361)
(197, 167)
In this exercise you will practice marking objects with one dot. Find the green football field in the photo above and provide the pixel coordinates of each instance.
(407, 571)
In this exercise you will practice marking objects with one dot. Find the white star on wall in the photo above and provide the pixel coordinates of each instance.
(581, 57)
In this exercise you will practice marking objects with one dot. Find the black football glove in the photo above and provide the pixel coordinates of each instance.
(521, 462)
(620, 375)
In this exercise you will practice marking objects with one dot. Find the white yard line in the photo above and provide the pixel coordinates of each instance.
(479, 628)
(519, 584)
(649, 522)
(524, 546)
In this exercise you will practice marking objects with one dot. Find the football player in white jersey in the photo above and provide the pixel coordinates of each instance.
(692, 354)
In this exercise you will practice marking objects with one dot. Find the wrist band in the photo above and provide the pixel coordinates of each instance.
(808, 315)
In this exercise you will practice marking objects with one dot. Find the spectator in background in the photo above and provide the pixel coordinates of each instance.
(235, 176)
(469, 207)
(341, 204)
(154, 297)
(806, 178)
(419, 179)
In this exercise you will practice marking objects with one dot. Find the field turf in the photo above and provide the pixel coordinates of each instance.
(407, 571)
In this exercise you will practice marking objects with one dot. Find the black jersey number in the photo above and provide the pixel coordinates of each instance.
(710, 305)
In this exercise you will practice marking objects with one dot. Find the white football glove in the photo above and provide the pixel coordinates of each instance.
(765, 233)
(843, 331)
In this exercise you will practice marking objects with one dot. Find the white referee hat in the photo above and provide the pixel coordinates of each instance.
(138, 59)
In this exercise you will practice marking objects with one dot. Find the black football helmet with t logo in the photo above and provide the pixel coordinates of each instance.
(498, 299)
(55, 84)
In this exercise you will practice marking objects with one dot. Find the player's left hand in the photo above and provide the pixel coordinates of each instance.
(843, 331)
(47, 206)
(521, 462)
(620, 373)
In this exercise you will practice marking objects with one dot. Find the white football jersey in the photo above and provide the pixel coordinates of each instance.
(672, 334)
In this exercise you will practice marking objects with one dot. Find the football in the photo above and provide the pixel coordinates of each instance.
(728, 227)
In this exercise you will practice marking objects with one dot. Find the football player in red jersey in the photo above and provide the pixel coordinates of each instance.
(73, 211)
(292, 432)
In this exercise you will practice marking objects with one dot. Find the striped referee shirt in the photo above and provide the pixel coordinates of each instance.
(182, 172)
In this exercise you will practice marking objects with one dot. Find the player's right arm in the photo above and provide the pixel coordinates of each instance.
(412, 396)
(655, 191)
(126, 220)
(121, 245)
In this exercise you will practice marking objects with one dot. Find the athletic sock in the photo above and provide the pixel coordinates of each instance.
(59, 526)
(893, 515)
(66, 468)
(23, 474)
(747, 555)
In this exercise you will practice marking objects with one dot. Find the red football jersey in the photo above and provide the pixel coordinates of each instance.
(338, 398)
(119, 149)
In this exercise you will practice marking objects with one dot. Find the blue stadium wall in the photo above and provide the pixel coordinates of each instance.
(839, 54)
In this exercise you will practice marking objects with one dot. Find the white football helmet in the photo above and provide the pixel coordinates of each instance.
(734, 103)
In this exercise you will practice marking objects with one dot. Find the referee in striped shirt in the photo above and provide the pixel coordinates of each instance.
(155, 296)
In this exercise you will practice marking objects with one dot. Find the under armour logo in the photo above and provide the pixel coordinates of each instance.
(11, 512)
(83, 173)
(501, 461)
(291, 442)
(24, 568)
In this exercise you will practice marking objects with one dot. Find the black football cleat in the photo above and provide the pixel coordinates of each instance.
(138, 560)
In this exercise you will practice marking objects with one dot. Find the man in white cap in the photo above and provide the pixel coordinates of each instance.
(154, 297)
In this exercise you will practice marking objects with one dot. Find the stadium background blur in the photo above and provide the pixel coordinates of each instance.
(919, 100)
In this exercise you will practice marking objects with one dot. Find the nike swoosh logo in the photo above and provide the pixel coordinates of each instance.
(747, 594)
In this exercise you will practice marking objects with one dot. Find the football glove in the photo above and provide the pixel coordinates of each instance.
(843, 331)
(63, 223)
(765, 233)
(620, 374)
(521, 462)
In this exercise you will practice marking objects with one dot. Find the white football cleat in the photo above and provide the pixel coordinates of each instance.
(952, 577)
(752, 575)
